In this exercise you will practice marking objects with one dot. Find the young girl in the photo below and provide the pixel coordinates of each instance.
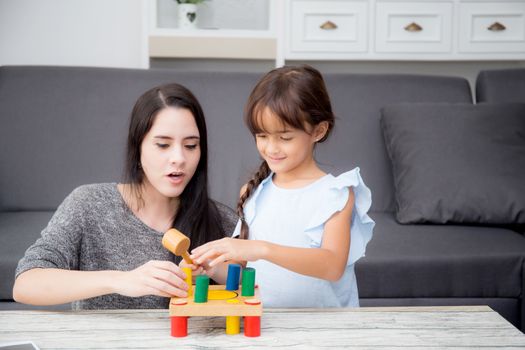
(102, 248)
(300, 228)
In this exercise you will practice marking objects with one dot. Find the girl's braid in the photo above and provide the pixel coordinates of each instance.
(257, 178)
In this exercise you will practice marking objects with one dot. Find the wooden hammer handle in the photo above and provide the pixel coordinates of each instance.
(187, 258)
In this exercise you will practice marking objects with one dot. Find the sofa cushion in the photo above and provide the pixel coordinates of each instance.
(77, 120)
(440, 261)
(457, 163)
(357, 140)
(72, 123)
(501, 85)
(18, 230)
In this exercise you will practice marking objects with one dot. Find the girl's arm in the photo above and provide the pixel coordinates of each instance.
(50, 286)
(327, 262)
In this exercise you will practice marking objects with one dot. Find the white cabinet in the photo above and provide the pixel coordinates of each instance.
(492, 27)
(413, 30)
(413, 27)
(328, 26)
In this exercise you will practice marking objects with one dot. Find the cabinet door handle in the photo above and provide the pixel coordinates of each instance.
(496, 27)
(413, 27)
(328, 25)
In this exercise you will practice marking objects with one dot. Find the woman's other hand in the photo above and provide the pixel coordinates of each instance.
(162, 278)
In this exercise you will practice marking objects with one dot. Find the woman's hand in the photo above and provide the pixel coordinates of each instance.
(162, 278)
(221, 250)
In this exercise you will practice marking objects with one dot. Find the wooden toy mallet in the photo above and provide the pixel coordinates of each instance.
(177, 243)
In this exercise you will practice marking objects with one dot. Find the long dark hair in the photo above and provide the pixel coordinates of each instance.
(297, 95)
(197, 215)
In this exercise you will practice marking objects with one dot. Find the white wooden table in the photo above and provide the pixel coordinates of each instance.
(465, 327)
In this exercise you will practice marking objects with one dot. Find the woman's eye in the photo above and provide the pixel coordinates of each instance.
(191, 146)
(286, 138)
(162, 145)
(260, 136)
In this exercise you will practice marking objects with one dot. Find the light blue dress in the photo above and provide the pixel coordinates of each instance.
(296, 217)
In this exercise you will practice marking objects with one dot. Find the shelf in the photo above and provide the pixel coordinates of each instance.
(207, 46)
(256, 44)
(213, 33)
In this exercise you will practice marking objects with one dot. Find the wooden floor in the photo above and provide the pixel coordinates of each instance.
(465, 327)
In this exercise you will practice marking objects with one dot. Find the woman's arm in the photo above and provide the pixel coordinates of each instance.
(49, 273)
(327, 262)
(50, 286)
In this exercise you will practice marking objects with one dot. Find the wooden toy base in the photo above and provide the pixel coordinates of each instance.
(230, 304)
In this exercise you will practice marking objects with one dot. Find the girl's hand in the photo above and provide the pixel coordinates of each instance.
(226, 249)
(162, 278)
(199, 269)
(195, 268)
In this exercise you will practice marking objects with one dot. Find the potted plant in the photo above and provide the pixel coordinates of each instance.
(187, 13)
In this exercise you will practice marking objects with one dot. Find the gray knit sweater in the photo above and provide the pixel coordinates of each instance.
(93, 230)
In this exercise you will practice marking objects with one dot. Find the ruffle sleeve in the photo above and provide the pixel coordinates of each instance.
(362, 225)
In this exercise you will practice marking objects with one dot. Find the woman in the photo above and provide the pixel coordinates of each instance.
(102, 248)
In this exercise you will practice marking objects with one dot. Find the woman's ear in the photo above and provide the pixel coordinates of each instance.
(320, 130)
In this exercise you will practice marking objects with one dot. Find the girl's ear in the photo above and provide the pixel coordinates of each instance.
(320, 130)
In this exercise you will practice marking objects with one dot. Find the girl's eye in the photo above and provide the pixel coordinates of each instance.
(286, 138)
(191, 146)
(162, 145)
(260, 136)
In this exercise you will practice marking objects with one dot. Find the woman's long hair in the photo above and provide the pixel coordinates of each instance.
(297, 95)
(197, 216)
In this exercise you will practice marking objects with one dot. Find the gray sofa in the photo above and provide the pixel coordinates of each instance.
(64, 126)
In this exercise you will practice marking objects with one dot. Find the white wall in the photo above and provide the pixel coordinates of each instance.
(101, 33)
(113, 33)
